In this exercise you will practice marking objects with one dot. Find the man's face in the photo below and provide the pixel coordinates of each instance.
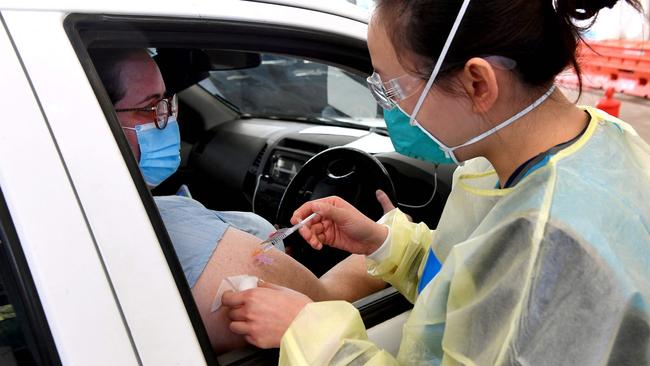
(144, 86)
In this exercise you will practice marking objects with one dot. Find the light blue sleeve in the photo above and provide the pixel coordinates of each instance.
(195, 230)
(251, 223)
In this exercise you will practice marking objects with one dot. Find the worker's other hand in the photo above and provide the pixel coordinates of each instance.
(263, 314)
(386, 204)
(339, 225)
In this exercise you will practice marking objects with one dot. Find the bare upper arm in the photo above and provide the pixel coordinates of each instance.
(233, 257)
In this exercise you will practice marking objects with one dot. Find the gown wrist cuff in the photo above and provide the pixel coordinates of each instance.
(383, 251)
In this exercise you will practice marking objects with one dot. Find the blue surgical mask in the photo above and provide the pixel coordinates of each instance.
(412, 141)
(159, 150)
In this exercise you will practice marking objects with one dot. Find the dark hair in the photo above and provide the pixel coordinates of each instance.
(107, 63)
(540, 35)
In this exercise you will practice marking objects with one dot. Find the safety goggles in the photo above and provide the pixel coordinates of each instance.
(387, 93)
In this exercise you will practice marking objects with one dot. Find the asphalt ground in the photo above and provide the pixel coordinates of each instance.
(634, 110)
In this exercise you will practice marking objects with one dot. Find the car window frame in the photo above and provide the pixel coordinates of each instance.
(74, 24)
(86, 30)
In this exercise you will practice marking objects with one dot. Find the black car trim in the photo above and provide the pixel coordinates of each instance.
(381, 306)
(131, 31)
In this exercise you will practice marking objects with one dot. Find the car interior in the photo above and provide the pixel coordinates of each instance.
(271, 117)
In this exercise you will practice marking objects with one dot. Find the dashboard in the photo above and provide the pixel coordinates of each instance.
(247, 165)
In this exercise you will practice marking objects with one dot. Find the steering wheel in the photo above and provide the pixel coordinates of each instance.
(351, 174)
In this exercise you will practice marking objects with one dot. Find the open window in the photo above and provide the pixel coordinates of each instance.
(246, 91)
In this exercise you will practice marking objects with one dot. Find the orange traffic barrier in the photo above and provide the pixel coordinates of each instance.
(609, 104)
(620, 64)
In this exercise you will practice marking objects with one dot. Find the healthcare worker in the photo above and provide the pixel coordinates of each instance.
(542, 253)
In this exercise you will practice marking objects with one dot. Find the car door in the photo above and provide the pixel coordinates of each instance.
(244, 26)
(106, 288)
(51, 229)
(128, 272)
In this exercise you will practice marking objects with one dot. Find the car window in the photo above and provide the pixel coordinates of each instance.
(294, 88)
(208, 225)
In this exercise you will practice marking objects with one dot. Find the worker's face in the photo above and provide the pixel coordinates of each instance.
(443, 114)
(144, 86)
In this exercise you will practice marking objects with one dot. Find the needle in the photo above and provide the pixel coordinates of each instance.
(281, 234)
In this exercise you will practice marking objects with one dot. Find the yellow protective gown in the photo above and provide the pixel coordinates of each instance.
(554, 271)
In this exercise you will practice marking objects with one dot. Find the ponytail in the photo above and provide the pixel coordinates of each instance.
(588, 9)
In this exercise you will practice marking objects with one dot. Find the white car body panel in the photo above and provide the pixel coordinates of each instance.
(337, 7)
(223, 9)
(82, 312)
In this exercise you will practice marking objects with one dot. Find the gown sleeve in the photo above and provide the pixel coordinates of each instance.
(408, 246)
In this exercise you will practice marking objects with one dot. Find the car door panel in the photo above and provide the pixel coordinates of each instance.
(142, 280)
(84, 317)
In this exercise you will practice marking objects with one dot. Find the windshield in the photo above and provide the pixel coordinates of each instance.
(292, 88)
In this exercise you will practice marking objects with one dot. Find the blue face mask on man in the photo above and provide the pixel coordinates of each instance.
(159, 150)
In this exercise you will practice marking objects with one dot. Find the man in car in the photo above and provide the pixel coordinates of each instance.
(210, 245)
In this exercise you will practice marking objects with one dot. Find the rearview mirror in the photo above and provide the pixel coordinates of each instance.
(232, 60)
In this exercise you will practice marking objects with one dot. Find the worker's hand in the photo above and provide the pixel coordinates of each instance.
(386, 204)
(263, 314)
(339, 225)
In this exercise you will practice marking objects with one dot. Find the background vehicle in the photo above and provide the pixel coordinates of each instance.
(85, 261)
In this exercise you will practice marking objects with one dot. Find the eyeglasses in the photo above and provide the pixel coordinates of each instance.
(392, 91)
(162, 110)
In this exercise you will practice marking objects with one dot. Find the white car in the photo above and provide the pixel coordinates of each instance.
(269, 92)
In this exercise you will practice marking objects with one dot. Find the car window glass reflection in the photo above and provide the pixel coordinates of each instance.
(287, 87)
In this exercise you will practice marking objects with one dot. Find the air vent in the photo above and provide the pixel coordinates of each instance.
(258, 158)
(302, 146)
